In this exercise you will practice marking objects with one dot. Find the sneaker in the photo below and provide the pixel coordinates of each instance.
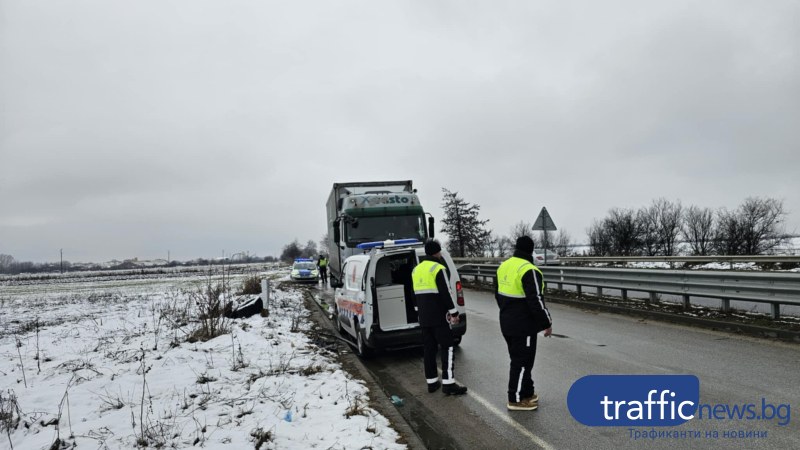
(534, 398)
(433, 387)
(454, 389)
(526, 404)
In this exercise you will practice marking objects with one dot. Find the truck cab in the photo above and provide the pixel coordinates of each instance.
(362, 212)
(374, 300)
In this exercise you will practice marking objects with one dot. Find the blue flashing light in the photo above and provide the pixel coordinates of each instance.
(369, 245)
(406, 241)
(389, 243)
(303, 260)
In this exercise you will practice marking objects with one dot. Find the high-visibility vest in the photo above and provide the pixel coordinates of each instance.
(509, 277)
(424, 277)
(323, 262)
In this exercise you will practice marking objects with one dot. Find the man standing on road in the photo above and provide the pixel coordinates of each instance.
(436, 312)
(322, 263)
(520, 296)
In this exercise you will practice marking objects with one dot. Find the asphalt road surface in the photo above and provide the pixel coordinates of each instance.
(732, 370)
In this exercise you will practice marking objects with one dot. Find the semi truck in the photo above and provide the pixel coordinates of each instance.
(371, 211)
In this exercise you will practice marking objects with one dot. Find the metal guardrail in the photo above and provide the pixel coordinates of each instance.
(773, 288)
(670, 259)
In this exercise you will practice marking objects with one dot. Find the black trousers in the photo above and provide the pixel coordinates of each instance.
(435, 339)
(323, 274)
(522, 350)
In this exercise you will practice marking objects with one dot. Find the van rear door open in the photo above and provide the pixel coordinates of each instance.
(393, 290)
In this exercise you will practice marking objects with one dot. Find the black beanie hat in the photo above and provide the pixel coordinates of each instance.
(432, 248)
(524, 244)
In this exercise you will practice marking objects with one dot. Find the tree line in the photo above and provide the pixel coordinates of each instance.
(755, 227)
(294, 250)
(10, 266)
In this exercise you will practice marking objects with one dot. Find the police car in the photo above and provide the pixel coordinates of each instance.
(304, 269)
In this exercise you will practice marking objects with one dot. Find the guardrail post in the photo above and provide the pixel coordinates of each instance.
(624, 294)
(726, 305)
(599, 291)
(578, 287)
(653, 297)
(776, 310)
(686, 304)
(560, 286)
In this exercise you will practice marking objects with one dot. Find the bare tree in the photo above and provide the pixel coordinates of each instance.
(669, 218)
(522, 228)
(647, 218)
(291, 251)
(491, 245)
(6, 261)
(755, 227)
(323, 244)
(624, 231)
(504, 247)
(310, 250)
(699, 229)
(599, 240)
(561, 243)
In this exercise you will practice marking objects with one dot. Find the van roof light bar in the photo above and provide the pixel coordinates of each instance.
(387, 243)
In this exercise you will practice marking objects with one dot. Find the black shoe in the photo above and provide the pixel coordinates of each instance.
(433, 387)
(454, 389)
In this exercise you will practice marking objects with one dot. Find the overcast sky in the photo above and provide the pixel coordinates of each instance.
(134, 128)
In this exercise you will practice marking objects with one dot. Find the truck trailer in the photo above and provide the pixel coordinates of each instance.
(371, 211)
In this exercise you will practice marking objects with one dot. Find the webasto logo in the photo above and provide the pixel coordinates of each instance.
(634, 400)
(385, 199)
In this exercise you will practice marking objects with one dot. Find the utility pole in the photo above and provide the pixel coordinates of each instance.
(61, 251)
(167, 257)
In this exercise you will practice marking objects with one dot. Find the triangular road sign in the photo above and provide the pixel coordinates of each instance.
(544, 222)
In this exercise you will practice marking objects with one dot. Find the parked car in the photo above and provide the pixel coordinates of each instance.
(552, 258)
(304, 270)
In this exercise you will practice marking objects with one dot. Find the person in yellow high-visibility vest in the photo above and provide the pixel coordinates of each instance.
(322, 263)
(520, 296)
(434, 303)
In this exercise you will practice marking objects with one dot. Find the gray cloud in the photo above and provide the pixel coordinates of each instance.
(133, 128)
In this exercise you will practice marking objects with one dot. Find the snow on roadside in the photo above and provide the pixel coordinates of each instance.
(105, 372)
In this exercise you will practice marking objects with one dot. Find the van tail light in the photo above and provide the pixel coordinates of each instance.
(459, 294)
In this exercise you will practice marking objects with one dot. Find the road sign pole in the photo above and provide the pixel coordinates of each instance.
(545, 246)
(544, 223)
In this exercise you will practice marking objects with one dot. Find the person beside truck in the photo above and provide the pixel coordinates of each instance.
(437, 312)
(523, 314)
(322, 264)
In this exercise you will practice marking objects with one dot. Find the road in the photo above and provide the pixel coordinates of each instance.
(731, 369)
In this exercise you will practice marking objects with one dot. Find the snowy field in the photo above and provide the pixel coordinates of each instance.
(108, 363)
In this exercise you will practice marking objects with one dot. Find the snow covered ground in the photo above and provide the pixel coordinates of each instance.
(108, 364)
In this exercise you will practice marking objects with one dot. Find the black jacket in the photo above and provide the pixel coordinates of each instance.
(528, 316)
(433, 308)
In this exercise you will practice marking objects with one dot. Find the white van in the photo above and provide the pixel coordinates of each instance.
(374, 300)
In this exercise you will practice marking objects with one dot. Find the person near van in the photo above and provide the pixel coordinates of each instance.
(436, 312)
(523, 314)
(322, 263)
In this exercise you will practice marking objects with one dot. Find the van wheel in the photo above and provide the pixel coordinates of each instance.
(338, 320)
(361, 347)
(456, 341)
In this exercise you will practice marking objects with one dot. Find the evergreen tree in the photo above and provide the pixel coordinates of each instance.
(468, 235)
